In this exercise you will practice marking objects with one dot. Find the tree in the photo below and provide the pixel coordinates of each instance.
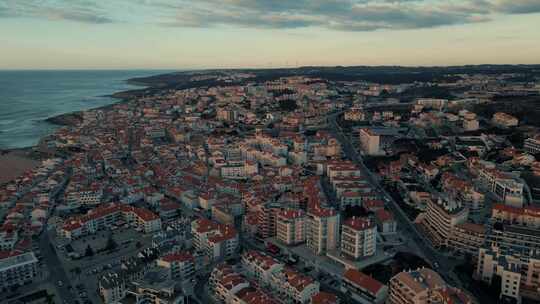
(111, 243)
(89, 251)
(138, 245)
(49, 298)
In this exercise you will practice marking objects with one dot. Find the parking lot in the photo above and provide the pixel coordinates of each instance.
(84, 271)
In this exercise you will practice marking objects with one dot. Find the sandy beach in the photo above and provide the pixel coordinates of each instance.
(14, 163)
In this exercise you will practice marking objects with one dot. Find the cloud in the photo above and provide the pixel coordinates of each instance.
(73, 10)
(341, 15)
(518, 6)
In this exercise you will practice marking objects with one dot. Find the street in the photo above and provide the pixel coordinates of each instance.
(56, 271)
(445, 266)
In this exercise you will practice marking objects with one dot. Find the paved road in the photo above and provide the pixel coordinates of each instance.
(56, 271)
(433, 257)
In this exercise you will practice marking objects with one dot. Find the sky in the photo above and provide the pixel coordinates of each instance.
(190, 34)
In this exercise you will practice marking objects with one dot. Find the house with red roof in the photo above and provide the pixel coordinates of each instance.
(216, 241)
(363, 288)
(105, 216)
(386, 224)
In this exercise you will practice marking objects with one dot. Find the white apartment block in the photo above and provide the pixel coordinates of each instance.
(502, 184)
(17, 269)
(112, 288)
(322, 230)
(106, 216)
(532, 145)
(358, 237)
(441, 217)
(291, 227)
(180, 265)
(260, 266)
(215, 241)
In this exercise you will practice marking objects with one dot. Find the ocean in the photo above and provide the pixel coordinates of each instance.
(27, 98)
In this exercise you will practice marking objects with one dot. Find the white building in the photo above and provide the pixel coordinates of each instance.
(358, 237)
(291, 226)
(17, 269)
(322, 230)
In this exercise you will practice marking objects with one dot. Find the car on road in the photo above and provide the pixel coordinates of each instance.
(60, 283)
(436, 265)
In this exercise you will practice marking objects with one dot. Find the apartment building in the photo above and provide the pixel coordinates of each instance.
(156, 287)
(466, 238)
(8, 239)
(363, 288)
(322, 229)
(179, 265)
(528, 216)
(440, 218)
(358, 237)
(267, 219)
(112, 288)
(260, 266)
(104, 217)
(471, 124)
(215, 241)
(504, 120)
(291, 226)
(513, 253)
(519, 275)
(293, 286)
(386, 224)
(502, 184)
(370, 142)
(423, 286)
(17, 269)
(376, 141)
(532, 145)
(354, 114)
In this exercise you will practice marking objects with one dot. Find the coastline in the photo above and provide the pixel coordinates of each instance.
(15, 161)
(74, 118)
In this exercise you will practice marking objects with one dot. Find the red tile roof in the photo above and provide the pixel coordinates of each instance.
(359, 223)
(364, 281)
(177, 257)
(324, 298)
